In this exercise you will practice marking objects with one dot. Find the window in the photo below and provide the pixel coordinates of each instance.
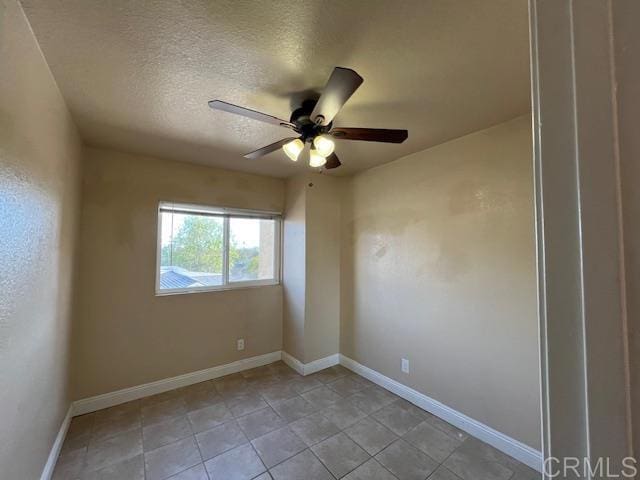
(208, 248)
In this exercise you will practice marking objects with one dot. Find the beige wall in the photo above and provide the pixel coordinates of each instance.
(125, 334)
(438, 267)
(39, 167)
(294, 267)
(312, 266)
(627, 52)
(322, 332)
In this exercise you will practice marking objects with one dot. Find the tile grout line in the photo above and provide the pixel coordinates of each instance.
(385, 468)
(259, 458)
(321, 462)
(199, 451)
(443, 465)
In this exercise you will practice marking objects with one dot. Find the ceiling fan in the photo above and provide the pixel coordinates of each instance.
(313, 122)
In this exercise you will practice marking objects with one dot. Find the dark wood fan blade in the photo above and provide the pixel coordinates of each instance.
(246, 112)
(268, 149)
(370, 134)
(332, 162)
(342, 83)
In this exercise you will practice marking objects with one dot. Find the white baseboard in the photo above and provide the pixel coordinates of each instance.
(92, 404)
(321, 364)
(47, 471)
(518, 450)
(293, 362)
(311, 367)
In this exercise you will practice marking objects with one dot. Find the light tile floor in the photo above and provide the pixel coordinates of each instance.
(271, 423)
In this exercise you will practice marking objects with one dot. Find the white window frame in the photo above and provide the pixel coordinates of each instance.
(226, 214)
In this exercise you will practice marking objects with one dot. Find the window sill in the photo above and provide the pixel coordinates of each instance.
(221, 288)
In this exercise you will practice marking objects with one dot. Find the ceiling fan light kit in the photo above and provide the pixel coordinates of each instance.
(316, 160)
(324, 145)
(293, 149)
(313, 121)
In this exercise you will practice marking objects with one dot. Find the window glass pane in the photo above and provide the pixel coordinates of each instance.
(251, 249)
(192, 251)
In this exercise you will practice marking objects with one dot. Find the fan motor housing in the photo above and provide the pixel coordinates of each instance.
(301, 118)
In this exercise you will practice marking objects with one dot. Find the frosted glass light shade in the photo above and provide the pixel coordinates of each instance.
(293, 149)
(324, 145)
(315, 159)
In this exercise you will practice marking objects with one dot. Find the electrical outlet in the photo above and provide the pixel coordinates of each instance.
(240, 344)
(405, 365)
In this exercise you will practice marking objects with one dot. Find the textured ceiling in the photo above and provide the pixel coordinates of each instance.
(137, 75)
